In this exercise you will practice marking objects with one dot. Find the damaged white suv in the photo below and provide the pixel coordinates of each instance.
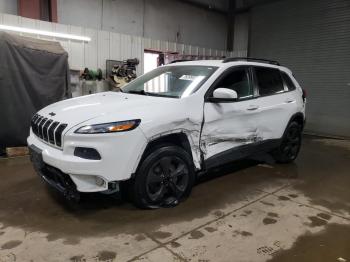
(167, 125)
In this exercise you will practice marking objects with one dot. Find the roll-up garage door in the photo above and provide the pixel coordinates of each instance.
(312, 38)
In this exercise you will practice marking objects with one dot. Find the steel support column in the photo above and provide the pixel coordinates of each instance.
(231, 24)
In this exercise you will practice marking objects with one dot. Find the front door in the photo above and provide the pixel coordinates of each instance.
(230, 126)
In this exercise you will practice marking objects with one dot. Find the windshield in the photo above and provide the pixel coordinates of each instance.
(170, 81)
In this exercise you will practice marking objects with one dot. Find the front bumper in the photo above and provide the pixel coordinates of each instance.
(120, 154)
(54, 177)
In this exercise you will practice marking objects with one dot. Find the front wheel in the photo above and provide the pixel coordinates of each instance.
(164, 178)
(290, 145)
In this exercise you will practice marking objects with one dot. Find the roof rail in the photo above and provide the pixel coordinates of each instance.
(250, 59)
(180, 60)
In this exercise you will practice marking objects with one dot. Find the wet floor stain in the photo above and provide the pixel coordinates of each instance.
(242, 233)
(328, 245)
(11, 244)
(106, 255)
(71, 241)
(140, 237)
(175, 244)
(218, 213)
(271, 214)
(324, 216)
(196, 234)
(268, 221)
(267, 203)
(317, 222)
(293, 195)
(78, 258)
(1, 233)
(160, 234)
(246, 213)
(210, 229)
(283, 198)
(323, 183)
(271, 218)
(246, 233)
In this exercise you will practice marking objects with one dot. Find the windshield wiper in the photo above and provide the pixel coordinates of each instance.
(143, 92)
(138, 92)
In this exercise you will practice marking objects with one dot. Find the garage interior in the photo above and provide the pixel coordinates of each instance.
(248, 210)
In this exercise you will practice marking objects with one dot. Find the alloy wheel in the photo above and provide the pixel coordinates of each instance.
(167, 180)
(291, 143)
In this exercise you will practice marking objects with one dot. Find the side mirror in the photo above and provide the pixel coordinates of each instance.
(223, 95)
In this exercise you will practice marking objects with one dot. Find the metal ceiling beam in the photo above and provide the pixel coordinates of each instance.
(203, 6)
(223, 12)
(257, 3)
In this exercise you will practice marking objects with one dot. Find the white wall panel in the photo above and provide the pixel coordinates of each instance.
(180, 48)
(46, 26)
(11, 20)
(103, 48)
(8, 6)
(90, 50)
(172, 47)
(105, 45)
(76, 58)
(114, 46)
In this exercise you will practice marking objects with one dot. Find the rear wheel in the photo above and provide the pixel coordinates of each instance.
(164, 178)
(290, 145)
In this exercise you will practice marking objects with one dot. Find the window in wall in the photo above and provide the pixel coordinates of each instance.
(269, 81)
(45, 10)
(288, 82)
(238, 81)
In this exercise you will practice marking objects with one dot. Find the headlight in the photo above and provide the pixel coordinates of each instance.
(109, 127)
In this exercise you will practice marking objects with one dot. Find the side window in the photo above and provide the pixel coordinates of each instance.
(288, 82)
(238, 81)
(269, 81)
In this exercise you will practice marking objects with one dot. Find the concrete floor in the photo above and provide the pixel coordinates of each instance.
(242, 212)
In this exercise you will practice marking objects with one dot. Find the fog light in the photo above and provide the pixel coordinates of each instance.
(100, 182)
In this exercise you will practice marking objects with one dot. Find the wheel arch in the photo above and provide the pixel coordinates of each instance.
(299, 118)
(180, 139)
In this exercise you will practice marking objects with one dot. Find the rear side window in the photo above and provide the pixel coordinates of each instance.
(269, 81)
(288, 82)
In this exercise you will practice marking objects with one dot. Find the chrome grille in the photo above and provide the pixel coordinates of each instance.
(48, 130)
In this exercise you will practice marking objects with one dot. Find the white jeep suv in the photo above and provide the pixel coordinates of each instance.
(164, 127)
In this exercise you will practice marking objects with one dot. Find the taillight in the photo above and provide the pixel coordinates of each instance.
(304, 94)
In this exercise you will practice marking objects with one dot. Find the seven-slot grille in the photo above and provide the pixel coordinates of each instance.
(48, 130)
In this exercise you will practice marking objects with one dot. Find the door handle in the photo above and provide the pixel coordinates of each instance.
(289, 100)
(252, 107)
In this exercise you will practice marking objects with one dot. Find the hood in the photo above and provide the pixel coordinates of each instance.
(115, 106)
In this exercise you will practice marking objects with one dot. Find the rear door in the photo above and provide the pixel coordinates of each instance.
(276, 101)
(228, 126)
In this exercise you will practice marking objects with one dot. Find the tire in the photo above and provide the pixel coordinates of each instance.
(290, 146)
(165, 177)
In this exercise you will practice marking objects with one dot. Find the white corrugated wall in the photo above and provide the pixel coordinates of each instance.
(106, 45)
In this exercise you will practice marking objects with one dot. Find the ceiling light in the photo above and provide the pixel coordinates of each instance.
(45, 33)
